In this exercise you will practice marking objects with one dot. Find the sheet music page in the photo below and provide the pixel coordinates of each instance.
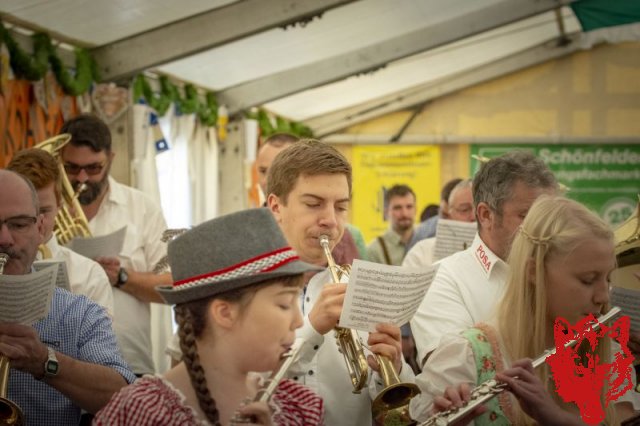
(109, 245)
(62, 279)
(629, 301)
(383, 293)
(25, 299)
(453, 236)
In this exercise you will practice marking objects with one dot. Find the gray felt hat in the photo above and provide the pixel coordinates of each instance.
(229, 252)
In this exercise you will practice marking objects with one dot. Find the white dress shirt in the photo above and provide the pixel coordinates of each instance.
(421, 254)
(85, 275)
(464, 292)
(322, 368)
(141, 251)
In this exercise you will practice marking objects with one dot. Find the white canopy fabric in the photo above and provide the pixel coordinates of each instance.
(306, 72)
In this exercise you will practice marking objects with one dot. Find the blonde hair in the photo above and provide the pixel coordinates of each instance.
(554, 226)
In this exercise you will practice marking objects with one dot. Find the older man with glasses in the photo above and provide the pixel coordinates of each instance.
(108, 206)
(69, 360)
(460, 208)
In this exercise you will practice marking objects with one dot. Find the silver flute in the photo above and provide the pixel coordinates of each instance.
(265, 393)
(491, 388)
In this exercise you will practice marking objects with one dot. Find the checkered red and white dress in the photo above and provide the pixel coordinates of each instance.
(153, 401)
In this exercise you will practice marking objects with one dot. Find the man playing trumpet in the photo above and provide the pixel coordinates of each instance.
(69, 360)
(309, 193)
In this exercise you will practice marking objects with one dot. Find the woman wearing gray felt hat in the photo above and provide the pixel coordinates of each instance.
(236, 287)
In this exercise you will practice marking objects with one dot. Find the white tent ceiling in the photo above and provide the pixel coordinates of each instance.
(359, 56)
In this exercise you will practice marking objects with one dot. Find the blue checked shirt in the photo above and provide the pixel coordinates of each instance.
(76, 327)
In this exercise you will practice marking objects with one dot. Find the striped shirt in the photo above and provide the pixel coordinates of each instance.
(79, 328)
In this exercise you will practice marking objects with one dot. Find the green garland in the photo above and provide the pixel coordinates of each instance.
(206, 111)
(34, 67)
(282, 125)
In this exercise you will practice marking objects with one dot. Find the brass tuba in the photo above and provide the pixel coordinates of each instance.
(10, 413)
(391, 405)
(70, 220)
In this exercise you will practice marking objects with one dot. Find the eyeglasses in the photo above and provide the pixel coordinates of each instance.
(91, 169)
(463, 209)
(19, 224)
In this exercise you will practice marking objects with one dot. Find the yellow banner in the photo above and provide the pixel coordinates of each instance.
(377, 168)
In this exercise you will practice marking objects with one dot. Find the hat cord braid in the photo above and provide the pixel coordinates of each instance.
(192, 361)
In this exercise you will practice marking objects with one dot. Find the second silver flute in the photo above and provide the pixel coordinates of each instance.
(492, 388)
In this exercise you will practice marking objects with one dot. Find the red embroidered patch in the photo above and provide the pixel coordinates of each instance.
(581, 380)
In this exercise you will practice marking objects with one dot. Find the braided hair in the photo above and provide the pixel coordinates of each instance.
(188, 324)
(192, 320)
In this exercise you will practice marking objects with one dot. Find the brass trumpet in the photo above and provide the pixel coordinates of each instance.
(392, 403)
(10, 413)
(348, 340)
(70, 220)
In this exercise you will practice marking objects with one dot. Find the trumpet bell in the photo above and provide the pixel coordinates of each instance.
(391, 405)
(10, 414)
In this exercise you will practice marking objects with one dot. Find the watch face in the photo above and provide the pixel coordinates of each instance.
(51, 368)
(122, 276)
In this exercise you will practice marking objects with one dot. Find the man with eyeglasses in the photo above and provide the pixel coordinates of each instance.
(108, 206)
(85, 275)
(460, 204)
(68, 361)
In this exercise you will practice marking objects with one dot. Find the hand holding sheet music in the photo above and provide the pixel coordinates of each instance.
(453, 236)
(25, 299)
(109, 245)
(62, 279)
(629, 301)
(379, 293)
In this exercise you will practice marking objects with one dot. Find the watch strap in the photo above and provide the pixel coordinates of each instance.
(51, 365)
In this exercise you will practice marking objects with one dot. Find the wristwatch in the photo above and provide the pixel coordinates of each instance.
(51, 366)
(123, 277)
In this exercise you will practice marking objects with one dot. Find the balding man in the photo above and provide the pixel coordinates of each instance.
(68, 361)
(460, 208)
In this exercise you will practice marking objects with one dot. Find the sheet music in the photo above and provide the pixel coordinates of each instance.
(629, 301)
(383, 293)
(26, 299)
(62, 279)
(453, 236)
(109, 245)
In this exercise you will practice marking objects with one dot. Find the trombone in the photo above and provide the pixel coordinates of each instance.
(71, 221)
(10, 413)
(391, 405)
